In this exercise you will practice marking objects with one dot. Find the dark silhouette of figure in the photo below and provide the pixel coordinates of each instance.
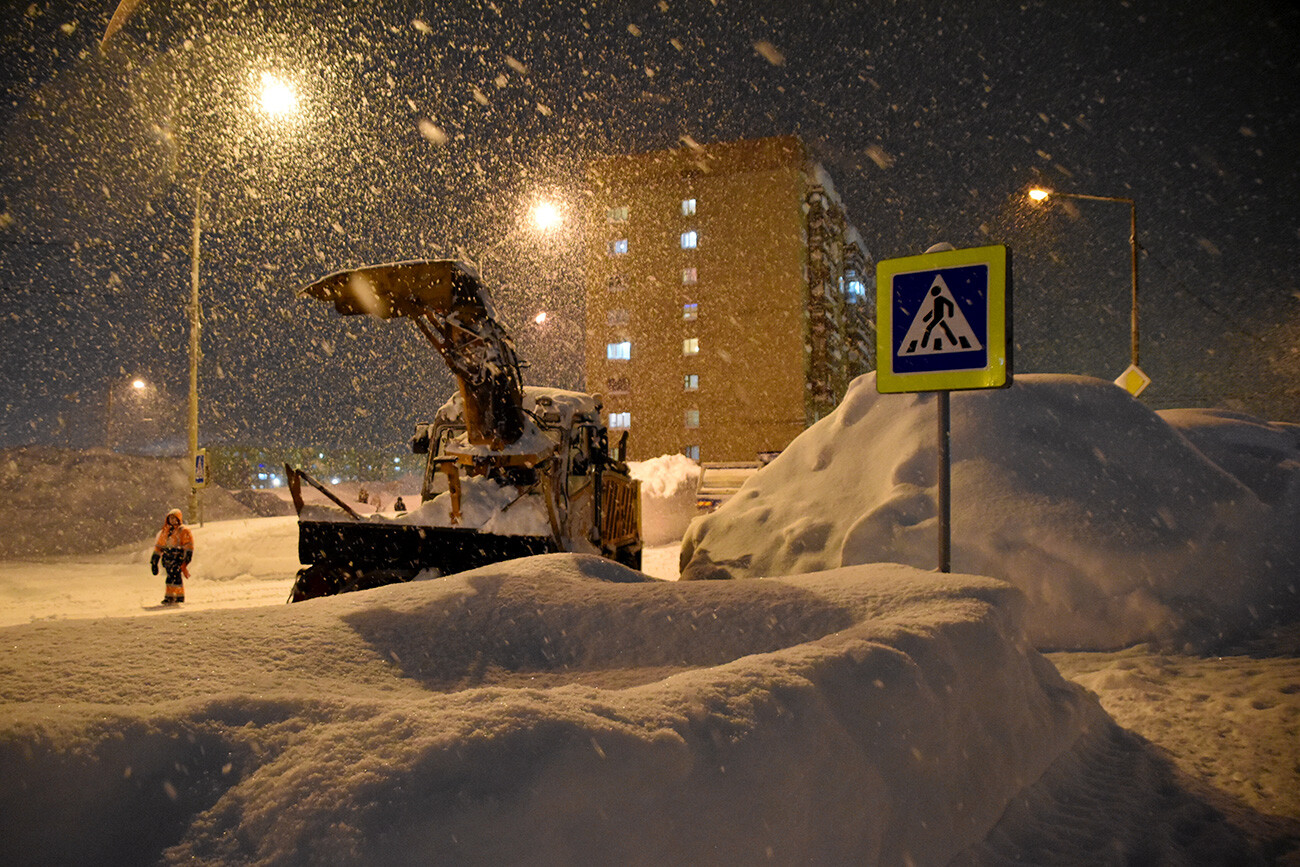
(938, 316)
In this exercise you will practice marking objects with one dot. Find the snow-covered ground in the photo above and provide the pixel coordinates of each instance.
(566, 710)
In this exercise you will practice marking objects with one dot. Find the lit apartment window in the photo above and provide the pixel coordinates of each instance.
(690, 240)
(691, 382)
(617, 385)
(690, 311)
(691, 346)
(617, 283)
(618, 248)
(689, 276)
(692, 452)
(621, 351)
(692, 418)
(617, 316)
(855, 290)
(616, 215)
(688, 207)
(620, 419)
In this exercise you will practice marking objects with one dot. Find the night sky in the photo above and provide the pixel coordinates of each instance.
(427, 129)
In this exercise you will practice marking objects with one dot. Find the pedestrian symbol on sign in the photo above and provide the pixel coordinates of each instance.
(939, 325)
(943, 320)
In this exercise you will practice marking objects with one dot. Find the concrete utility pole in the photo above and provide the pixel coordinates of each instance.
(196, 317)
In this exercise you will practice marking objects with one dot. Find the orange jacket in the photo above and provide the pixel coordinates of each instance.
(174, 537)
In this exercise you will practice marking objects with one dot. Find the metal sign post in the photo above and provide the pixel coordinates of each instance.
(943, 497)
(943, 324)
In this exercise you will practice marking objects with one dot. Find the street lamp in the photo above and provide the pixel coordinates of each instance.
(276, 99)
(545, 216)
(139, 388)
(1041, 195)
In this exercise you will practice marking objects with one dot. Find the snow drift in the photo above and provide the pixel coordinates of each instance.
(1116, 526)
(58, 501)
(558, 709)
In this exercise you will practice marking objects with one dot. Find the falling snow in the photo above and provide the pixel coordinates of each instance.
(826, 706)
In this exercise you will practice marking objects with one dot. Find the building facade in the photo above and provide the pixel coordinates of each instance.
(728, 300)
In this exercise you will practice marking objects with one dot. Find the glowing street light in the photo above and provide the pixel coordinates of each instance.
(140, 393)
(1041, 195)
(545, 217)
(277, 97)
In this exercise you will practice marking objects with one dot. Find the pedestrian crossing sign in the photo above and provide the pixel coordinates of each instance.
(943, 320)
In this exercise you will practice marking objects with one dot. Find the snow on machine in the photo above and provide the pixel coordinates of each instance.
(511, 471)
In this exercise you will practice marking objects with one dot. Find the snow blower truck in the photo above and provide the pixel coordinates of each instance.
(512, 470)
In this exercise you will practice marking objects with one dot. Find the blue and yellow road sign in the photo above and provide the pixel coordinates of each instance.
(943, 320)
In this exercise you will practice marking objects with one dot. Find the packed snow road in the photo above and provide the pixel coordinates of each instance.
(238, 564)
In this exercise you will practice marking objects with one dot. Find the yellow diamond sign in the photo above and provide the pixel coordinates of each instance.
(1133, 380)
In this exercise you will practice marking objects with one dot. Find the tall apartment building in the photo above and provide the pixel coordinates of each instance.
(728, 299)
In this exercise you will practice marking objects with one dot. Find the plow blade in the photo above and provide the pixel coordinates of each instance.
(345, 556)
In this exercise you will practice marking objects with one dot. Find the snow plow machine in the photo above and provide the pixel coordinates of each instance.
(512, 471)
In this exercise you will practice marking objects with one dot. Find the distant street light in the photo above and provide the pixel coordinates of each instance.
(1041, 195)
(545, 217)
(276, 99)
(140, 389)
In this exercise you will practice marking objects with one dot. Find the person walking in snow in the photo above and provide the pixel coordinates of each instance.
(175, 548)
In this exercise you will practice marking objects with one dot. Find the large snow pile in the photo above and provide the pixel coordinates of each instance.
(58, 501)
(565, 710)
(1261, 455)
(667, 496)
(1117, 527)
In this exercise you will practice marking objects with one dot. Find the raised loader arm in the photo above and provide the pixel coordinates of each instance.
(449, 306)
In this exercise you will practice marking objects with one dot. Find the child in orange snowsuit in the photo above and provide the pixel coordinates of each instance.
(175, 547)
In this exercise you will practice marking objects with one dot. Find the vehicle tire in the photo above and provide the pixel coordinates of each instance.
(629, 557)
(318, 579)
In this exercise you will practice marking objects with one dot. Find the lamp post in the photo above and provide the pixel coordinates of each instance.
(1039, 195)
(276, 99)
(196, 320)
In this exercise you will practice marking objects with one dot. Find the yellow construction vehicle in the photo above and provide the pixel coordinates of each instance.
(511, 470)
